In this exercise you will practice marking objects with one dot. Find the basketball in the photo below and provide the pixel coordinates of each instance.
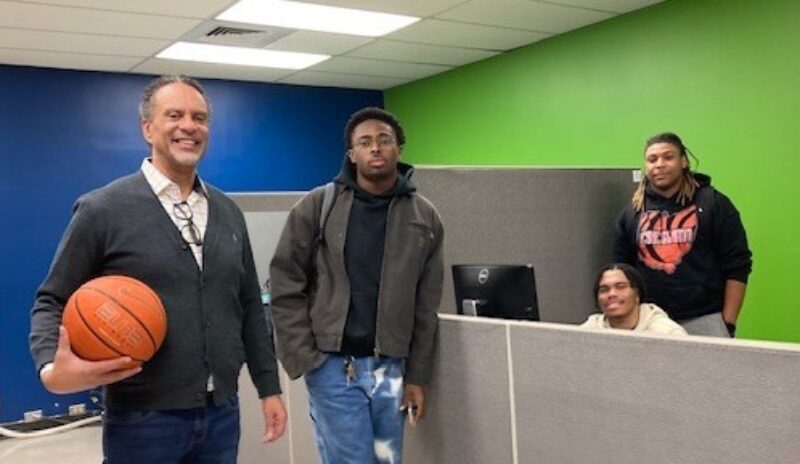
(115, 316)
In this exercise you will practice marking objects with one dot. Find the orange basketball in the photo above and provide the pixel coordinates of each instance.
(115, 316)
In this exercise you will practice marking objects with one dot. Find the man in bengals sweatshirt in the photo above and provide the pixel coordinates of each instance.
(687, 240)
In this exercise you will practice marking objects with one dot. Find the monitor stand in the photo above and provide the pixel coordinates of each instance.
(470, 307)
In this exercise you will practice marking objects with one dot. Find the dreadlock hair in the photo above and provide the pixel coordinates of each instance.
(688, 185)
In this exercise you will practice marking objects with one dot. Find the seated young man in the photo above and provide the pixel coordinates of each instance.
(620, 290)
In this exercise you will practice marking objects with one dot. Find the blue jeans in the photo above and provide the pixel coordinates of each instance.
(180, 436)
(357, 417)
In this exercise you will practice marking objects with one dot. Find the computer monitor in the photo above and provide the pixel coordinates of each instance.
(503, 291)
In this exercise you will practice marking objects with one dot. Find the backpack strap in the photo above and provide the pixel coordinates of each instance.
(705, 199)
(328, 199)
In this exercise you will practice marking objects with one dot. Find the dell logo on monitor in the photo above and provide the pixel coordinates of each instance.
(483, 276)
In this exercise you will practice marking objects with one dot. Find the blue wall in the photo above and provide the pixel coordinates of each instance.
(67, 132)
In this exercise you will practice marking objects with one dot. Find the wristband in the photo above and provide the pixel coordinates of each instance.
(731, 328)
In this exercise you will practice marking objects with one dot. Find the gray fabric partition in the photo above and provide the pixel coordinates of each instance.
(560, 220)
(608, 398)
(265, 215)
(601, 397)
(468, 405)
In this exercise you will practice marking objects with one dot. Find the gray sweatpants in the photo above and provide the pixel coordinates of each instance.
(710, 325)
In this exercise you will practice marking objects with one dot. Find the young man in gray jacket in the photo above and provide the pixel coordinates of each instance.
(356, 285)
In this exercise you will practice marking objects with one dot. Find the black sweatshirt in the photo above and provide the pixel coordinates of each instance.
(363, 254)
(685, 252)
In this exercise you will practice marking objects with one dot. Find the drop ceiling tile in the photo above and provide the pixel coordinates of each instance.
(63, 60)
(455, 34)
(183, 8)
(420, 53)
(63, 19)
(365, 67)
(118, 35)
(617, 6)
(319, 42)
(26, 39)
(211, 70)
(326, 79)
(419, 8)
(524, 14)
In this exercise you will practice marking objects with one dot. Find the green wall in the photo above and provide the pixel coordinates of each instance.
(724, 74)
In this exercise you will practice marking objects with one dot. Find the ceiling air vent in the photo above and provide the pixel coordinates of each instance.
(224, 30)
(220, 33)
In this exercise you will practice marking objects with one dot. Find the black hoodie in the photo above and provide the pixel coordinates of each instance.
(685, 252)
(363, 255)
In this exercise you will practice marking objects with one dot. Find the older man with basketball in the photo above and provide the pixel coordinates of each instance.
(188, 242)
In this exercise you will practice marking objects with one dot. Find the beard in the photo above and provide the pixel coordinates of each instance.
(378, 175)
(387, 171)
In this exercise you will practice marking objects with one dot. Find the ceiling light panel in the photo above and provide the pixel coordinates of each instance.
(314, 17)
(187, 51)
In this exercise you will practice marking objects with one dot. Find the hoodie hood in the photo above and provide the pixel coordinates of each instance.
(402, 186)
(652, 319)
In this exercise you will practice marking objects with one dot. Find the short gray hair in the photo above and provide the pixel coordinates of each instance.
(146, 105)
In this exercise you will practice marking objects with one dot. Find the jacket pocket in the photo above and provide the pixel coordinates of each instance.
(421, 237)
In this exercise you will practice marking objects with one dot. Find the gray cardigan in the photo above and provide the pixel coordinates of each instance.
(215, 318)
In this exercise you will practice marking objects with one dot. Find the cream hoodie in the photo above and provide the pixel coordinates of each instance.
(652, 319)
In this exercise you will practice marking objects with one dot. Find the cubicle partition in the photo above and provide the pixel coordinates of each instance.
(265, 214)
(508, 392)
(519, 392)
(559, 220)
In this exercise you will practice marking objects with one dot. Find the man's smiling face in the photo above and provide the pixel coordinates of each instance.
(178, 128)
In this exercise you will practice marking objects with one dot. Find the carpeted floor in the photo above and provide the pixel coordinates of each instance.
(78, 446)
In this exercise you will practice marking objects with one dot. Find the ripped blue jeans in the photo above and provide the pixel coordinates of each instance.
(355, 407)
